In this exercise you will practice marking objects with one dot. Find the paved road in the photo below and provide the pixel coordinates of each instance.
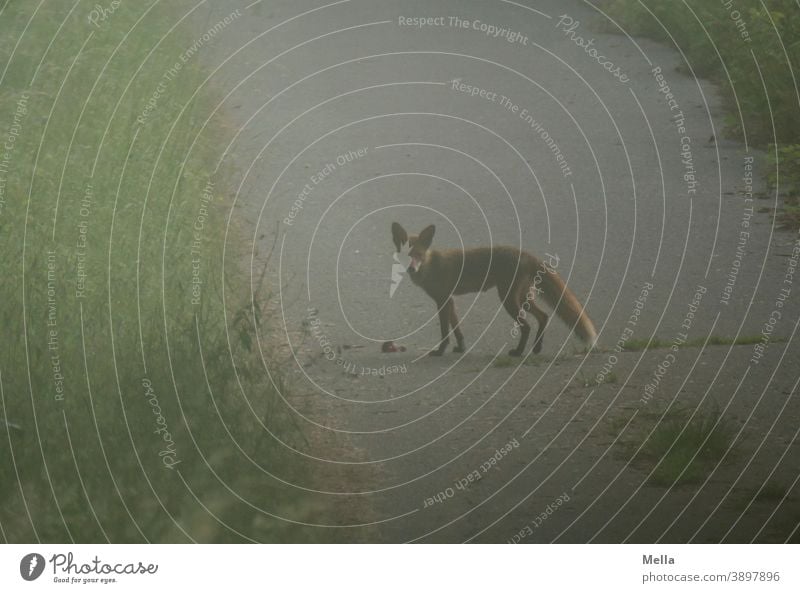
(493, 122)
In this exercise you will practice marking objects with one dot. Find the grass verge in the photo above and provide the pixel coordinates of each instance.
(752, 52)
(122, 417)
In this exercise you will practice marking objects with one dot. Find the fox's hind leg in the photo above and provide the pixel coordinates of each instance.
(541, 319)
(513, 308)
(512, 302)
(454, 325)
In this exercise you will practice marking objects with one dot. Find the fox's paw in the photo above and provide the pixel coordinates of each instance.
(515, 352)
(459, 349)
(537, 347)
(436, 352)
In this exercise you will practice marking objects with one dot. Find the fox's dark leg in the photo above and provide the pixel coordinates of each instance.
(454, 326)
(541, 319)
(444, 326)
(513, 306)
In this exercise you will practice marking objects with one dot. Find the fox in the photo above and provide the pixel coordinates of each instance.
(519, 277)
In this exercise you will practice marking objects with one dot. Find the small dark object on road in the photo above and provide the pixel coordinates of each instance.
(390, 347)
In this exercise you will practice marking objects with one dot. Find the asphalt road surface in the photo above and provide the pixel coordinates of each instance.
(502, 125)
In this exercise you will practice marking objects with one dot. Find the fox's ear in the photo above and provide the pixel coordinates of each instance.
(399, 236)
(426, 236)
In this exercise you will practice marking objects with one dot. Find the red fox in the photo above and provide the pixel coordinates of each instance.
(516, 274)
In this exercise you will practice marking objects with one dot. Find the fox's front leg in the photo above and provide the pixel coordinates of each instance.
(451, 306)
(444, 326)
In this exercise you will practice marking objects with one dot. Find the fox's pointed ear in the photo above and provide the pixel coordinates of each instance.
(399, 236)
(426, 236)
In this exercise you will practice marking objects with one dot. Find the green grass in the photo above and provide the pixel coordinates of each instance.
(583, 380)
(529, 359)
(88, 468)
(759, 502)
(772, 492)
(638, 345)
(504, 362)
(722, 341)
(684, 448)
(657, 343)
(714, 48)
(610, 378)
(769, 494)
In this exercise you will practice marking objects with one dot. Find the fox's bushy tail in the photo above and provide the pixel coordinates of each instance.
(566, 305)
